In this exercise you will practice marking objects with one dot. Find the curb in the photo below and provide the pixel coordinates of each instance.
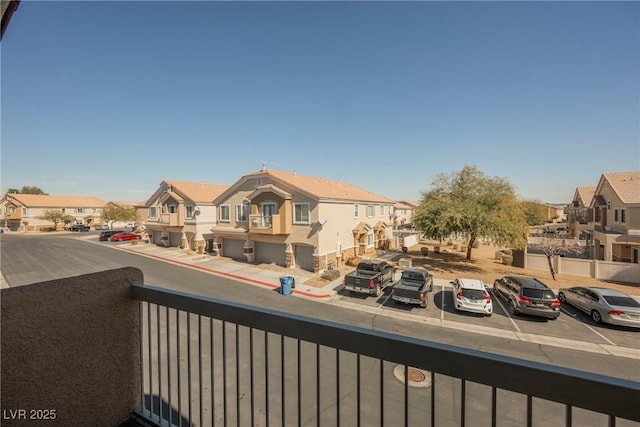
(225, 274)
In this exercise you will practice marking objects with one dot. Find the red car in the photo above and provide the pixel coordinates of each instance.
(125, 236)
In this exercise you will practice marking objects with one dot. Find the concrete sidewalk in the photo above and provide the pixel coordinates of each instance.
(244, 272)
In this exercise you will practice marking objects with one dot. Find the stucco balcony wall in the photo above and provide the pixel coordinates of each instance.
(72, 346)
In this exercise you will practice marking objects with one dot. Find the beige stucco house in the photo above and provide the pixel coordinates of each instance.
(616, 207)
(580, 214)
(403, 213)
(181, 214)
(22, 212)
(300, 221)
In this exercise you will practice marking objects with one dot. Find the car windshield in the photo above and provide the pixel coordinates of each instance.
(538, 293)
(473, 293)
(622, 301)
(409, 275)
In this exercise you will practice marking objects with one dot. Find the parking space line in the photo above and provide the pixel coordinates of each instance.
(385, 301)
(588, 327)
(506, 312)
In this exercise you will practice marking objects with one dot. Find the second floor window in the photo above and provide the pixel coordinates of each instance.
(173, 209)
(79, 210)
(301, 213)
(64, 210)
(370, 210)
(24, 211)
(356, 212)
(242, 212)
(190, 211)
(224, 213)
(381, 210)
(152, 212)
(623, 218)
(616, 218)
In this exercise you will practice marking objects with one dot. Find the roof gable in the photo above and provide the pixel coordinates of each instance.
(321, 188)
(625, 184)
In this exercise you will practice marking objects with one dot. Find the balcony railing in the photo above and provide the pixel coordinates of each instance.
(210, 362)
(170, 219)
(265, 224)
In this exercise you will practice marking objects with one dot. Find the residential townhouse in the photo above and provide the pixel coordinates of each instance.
(403, 213)
(22, 212)
(616, 209)
(580, 214)
(181, 214)
(294, 220)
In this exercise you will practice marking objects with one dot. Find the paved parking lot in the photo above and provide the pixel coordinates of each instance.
(573, 329)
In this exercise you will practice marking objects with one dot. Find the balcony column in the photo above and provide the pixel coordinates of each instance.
(184, 244)
(199, 243)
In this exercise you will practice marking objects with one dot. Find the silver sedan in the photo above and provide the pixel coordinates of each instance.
(603, 305)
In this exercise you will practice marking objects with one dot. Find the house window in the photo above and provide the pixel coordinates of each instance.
(173, 209)
(301, 213)
(390, 210)
(242, 212)
(93, 210)
(63, 210)
(152, 212)
(79, 210)
(356, 213)
(224, 213)
(370, 211)
(258, 182)
(623, 218)
(370, 240)
(615, 215)
(190, 211)
(609, 205)
(381, 210)
(24, 211)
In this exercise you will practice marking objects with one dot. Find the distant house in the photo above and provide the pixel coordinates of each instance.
(556, 212)
(181, 214)
(580, 214)
(295, 220)
(616, 208)
(403, 213)
(22, 212)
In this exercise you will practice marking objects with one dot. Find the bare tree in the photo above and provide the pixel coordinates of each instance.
(553, 248)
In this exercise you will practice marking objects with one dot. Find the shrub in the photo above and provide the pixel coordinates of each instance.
(507, 259)
(424, 251)
(498, 255)
(405, 249)
(507, 252)
(330, 274)
(353, 261)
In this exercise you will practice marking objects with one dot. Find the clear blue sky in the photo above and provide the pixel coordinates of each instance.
(107, 99)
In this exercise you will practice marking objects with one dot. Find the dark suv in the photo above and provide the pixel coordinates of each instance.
(528, 295)
(106, 235)
(79, 227)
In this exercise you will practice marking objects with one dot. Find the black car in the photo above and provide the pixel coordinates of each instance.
(79, 227)
(106, 235)
(528, 295)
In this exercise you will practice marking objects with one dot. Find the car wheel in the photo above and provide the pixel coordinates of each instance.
(561, 297)
(512, 308)
(595, 315)
(488, 315)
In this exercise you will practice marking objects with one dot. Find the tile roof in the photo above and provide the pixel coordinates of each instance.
(197, 191)
(626, 185)
(323, 188)
(48, 201)
(586, 194)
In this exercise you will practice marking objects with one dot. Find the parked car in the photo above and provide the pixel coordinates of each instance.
(370, 277)
(528, 295)
(125, 236)
(106, 235)
(603, 305)
(413, 287)
(471, 295)
(79, 227)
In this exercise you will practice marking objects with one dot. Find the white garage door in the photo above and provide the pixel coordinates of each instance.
(304, 257)
(270, 253)
(233, 248)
